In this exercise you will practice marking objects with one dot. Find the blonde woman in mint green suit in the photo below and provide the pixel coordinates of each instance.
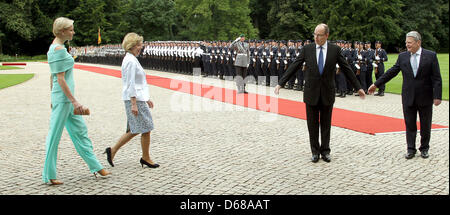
(63, 104)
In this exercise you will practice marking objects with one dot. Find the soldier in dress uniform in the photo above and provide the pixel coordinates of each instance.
(370, 55)
(380, 57)
(360, 64)
(290, 58)
(259, 62)
(207, 59)
(350, 60)
(340, 78)
(219, 59)
(301, 76)
(224, 60)
(266, 63)
(282, 59)
(251, 67)
(273, 66)
(242, 61)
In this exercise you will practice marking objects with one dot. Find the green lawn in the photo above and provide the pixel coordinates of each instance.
(7, 80)
(37, 58)
(395, 85)
(9, 67)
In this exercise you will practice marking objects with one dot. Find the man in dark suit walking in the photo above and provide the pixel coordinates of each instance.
(321, 58)
(422, 87)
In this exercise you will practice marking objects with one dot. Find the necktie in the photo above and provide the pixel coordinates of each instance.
(414, 64)
(320, 61)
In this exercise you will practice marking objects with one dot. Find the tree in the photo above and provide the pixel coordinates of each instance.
(360, 19)
(259, 10)
(21, 22)
(214, 20)
(153, 19)
(290, 19)
(427, 18)
(88, 16)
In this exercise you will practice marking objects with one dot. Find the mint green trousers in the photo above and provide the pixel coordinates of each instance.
(62, 116)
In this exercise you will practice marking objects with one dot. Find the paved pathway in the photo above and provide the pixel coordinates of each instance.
(223, 149)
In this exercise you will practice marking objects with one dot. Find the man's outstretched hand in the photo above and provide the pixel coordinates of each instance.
(277, 90)
(372, 89)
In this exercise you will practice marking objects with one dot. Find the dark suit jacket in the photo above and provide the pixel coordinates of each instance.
(423, 88)
(320, 86)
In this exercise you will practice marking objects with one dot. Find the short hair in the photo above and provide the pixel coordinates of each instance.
(131, 40)
(60, 24)
(325, 26)
(415, 35)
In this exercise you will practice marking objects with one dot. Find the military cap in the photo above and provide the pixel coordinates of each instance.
(242, 35)
(367, 42)
(378, 41)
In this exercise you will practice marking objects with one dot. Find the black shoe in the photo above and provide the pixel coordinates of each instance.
(108, 156)
(290, 87)
(326, 158)
(315, 158)
(342, 95)
(142, 161)
(424, 154)
(410, 155)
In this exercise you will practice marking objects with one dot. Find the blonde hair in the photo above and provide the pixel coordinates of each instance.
(131, 40)
(60, 24)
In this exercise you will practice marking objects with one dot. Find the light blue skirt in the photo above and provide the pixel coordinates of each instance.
(143, 122)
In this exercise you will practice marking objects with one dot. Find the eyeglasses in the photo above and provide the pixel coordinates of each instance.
(318, 35)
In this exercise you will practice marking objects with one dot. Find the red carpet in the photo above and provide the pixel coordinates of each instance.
(14, 64)
(353, 120)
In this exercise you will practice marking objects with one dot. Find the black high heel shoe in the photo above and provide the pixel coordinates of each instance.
(108, 156)
(142, 161)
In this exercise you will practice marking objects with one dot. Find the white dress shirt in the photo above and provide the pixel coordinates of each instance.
(419, 52)
(324, 51)
(134, 81)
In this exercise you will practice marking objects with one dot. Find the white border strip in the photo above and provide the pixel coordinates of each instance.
(402, 132)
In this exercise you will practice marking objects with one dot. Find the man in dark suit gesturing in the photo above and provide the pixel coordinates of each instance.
(422, 86)
(321, 58)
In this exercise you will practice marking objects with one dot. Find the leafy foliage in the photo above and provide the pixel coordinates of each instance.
(25, 25)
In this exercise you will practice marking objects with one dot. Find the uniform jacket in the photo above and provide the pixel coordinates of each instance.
(243, 53)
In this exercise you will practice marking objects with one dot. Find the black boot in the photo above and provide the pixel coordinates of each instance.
(380, 93)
